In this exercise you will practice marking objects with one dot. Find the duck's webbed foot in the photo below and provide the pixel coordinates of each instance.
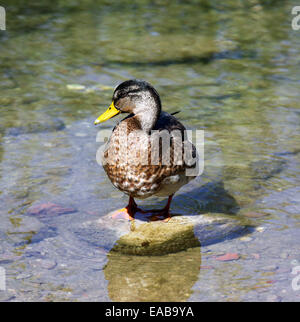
(155, 214)
(128, 212)
(162, 214)
(165, 216)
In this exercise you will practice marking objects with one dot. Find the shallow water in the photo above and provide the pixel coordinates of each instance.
(233, 71)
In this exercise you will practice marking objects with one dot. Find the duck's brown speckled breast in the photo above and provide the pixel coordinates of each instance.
(127, 157)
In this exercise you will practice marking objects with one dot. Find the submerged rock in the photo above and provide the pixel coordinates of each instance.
(49, 208)
(45, 124)
(266, 169)
(44, 263)
(140, 237)
(228, 257)
(257, 170)
(8, 257)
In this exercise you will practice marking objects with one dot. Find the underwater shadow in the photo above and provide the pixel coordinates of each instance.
(186, 60)
(207, 198)
(214, 212)
(211, 197)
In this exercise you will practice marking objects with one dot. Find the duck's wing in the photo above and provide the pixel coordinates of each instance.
(168, 122)
(182, 151)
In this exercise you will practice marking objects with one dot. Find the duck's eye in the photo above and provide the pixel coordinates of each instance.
(116, 104)
(122, 95)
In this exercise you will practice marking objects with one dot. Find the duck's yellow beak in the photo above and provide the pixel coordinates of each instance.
(110, 112)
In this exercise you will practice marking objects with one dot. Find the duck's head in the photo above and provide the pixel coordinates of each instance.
(135, 97)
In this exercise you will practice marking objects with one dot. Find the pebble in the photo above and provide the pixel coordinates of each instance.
(228, 257)
(23, 276)
(246, 239)
(75, 87)
(270, 268)
(256, 256)
(206, 267)
(284, 255)
(252, 214)
(44, 263)
(260, 229)
(80, 134)
(7, 257)
(105, 87)
(49, 208)
(273, 298)
(48, 145)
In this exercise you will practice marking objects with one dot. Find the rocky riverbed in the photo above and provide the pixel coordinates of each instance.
(234, 234)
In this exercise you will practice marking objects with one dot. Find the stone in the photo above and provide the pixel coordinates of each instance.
(206, 267)
(45, 124)
(44, 263)
(75, 87)
(8, 257)
(228, 257)
(80, 134)
(245, 239)
(49, 208)
(284, 255)
(270, 268)
(273, 298)
(253, 214)
(266, 169)
(260, 229)
(256, 256)
(23, 276)
(141, 237)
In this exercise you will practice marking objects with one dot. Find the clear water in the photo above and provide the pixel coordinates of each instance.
(233, 71)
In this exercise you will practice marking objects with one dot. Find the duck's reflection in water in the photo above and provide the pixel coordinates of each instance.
(152, 278)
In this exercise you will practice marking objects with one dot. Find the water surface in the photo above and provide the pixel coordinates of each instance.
(233, 71)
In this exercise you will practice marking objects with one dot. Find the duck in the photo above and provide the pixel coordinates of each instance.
(145, 155)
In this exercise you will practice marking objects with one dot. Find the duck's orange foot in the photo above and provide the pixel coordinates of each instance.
(167, 218)
(122, 214)
(164, 216)
(128, 212)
